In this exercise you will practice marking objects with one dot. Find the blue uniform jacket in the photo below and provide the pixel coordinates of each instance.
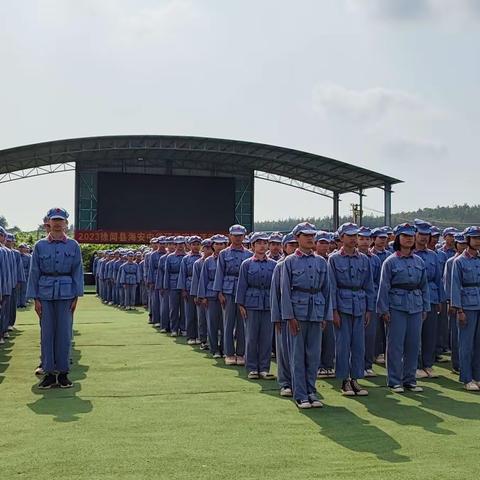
(447, 278)
(228, 268)
(254, 280)
(172, 270)
(207, 277)
(6, 271)
(403, 271)
(351, 283)
(152, 272)
(186, 271)
(434, 274)
(275, 293)
(197, 268)
(161, 271)
(382, 255)
(129, 274)
(305, 289)
(56, 272)
(26, 260)
(466, 282)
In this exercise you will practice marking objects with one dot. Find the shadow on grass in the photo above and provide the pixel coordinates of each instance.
(64, 405)
(5, 352)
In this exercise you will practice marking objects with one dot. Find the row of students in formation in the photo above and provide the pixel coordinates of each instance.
(333, 304)
(14, 272)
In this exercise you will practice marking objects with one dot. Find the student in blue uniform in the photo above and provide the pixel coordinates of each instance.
(380, 249)
(323, 240)
(305, 297)
(274, 246)
(18, 275)
(166, 247)
(207, 251)
(184, 283)
(460, 245)
(25, 259)
(170, 284)
(129, 277)
(284, 374)
(437, 295)
(448, 246)
(353, 300)
(253, 300)
(149, 286)
(151, 264)
(6, 286)
(228, 267)
(209, 297)
(465, 298)
(56, 282)
(364, 241)
(140, 295)
(403, 300)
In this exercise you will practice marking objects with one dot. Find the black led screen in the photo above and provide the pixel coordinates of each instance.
(134, 202)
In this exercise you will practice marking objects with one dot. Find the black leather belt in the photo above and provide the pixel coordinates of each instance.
(353, 289)
(471, 285)
(406, 286)
(307, 290)
(57, 274)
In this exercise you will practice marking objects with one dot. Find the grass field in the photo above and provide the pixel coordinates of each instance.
(148, 406)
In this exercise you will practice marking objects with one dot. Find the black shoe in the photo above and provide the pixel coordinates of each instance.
(203, 346)
(64, 381)
(49, 381)
(347, 389)
(360, 391)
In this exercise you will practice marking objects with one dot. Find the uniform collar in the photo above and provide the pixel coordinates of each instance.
(345, 254)
(238, 249)
(257, 259)
(299, 253)
(399, 254)
(63, 239)
(469, 255)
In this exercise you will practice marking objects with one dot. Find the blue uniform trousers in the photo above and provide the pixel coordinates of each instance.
(22, 295)
(469, 347)
(164, 310)
(429, 339)
(304, 348)
(370, 337)
(442, 331)
(233, 328)
(130, 295)
(202, 323)
(454, 341)
(97, 286)
(327, 359)
(175, 309)
(108, 291)
(350, 347)
(284, 374)
(5, 314)
(403, 343)
(190, 317)
(155, 306)
(122, 297)
(380, 339)
(13, 308)
(258, 341)
(214, 326)
(56, 335)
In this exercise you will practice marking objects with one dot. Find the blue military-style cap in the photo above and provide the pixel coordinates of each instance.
(138, 253)
(218, 238)
(434, 231)
(10, 237)
(404, 229)
(57, 212)
(348, 229)
(289, 238)
(379, 232)
(169, 239)
(194, 238)
(449, 231)
(460, 238)
(259, 236)
(3, 231)
(246, 240)
(130, 253)
(161, 239)
(364, 232)
(108, 252)
(179, 239)
(423, 227)
(472, 231)
(154, 240)
(275, 237)
(23, 245)
(323, 236)
(237, 230)
(207, 242)
(305, 228)
(388, 229)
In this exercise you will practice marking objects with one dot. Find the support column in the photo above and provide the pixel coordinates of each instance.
(336, 210)
(388, 204)
(360, 204)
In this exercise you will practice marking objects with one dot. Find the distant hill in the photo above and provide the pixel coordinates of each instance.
(459, 216)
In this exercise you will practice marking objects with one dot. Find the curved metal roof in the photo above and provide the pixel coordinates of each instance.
(229, 156)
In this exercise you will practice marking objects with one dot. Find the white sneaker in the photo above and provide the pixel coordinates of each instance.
(230, 361)
(10, 328)
(472, 387)
(173, 334)
(286, 392)
(380, 359)
(369, 373)
(217, 355)
(156, 325)
(303, 405)
(421, 374)
(162, 330)
(431, 373)
(2, 341)
(240, 361)
(190, 342)
(397, 389)
(6, 335)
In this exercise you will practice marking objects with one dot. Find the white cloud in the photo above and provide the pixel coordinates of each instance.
(414, 150)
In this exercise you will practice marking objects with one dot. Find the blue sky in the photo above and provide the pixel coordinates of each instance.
(389, 85)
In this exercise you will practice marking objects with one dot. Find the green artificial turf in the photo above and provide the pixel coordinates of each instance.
(148, 406)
